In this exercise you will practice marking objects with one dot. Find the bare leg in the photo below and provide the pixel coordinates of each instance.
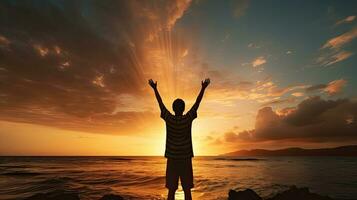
(187, 194)
(171, 195)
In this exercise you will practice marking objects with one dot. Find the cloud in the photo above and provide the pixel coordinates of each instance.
(332, 88)
(99, 81)
(252, 45)
(297, 94)
(230, 90)
(314, 120)
(232, 136)
(348, 19)
(279, 101)
(314, 88)
(332, 51)
(274, 91)
(67, 64)
(335, 87)
(175, 11)
(259, 61)
(333, 58)
(341, 40)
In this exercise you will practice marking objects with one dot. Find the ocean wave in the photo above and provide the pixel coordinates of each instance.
(57, 194)
(143, 181)
(55, 181)
(21, 173)
(66, 171)
(15, 166)
(121, 159)
(102, 181)
(93, 177)
(31, 186)
(213, 185)
(240, 159)
(152, 180)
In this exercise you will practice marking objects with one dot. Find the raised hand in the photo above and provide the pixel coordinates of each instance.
(157, 94)
(205, 83)
(153, 84)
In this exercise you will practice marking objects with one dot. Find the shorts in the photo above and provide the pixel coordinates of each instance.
(176, 169)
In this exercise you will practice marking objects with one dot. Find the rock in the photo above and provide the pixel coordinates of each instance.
(57, 195)
(295, 193)
(111, 197)
(247, 194)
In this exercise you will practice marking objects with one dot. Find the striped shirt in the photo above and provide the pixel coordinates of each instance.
(178, 134)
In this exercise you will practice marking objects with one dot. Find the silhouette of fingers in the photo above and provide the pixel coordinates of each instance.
(152, 83)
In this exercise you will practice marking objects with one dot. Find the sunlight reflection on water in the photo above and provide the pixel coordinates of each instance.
(144, 177)
(180, 195)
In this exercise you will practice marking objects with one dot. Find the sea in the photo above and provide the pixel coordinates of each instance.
(144, 177)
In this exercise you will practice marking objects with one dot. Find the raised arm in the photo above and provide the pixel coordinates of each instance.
(158, 97)
(204, 83)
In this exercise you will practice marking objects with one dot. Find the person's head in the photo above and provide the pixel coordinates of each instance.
(178, 106)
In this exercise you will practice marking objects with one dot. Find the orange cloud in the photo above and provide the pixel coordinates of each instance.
(43, 51)
(332, 88)
(333, 52)
(265, 91)
(298, 94)
(176, 11)
(335, 87)
(279, 101)
(99, 81)
(259, 61)
(334, 58)
(348, 19)
(341, 40)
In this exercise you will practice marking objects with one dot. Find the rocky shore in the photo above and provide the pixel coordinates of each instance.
(292, 193)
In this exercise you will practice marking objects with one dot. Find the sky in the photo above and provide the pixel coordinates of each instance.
(73, 74)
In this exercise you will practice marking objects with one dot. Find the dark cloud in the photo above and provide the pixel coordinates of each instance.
(314, 119)
(232, 136)
(308, 112)
(66, 62)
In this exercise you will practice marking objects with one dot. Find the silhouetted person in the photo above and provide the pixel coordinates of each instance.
(179, 150)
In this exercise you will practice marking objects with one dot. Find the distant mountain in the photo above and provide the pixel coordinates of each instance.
(337, 151)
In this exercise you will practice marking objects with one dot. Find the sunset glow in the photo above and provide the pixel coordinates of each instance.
(80, 87)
